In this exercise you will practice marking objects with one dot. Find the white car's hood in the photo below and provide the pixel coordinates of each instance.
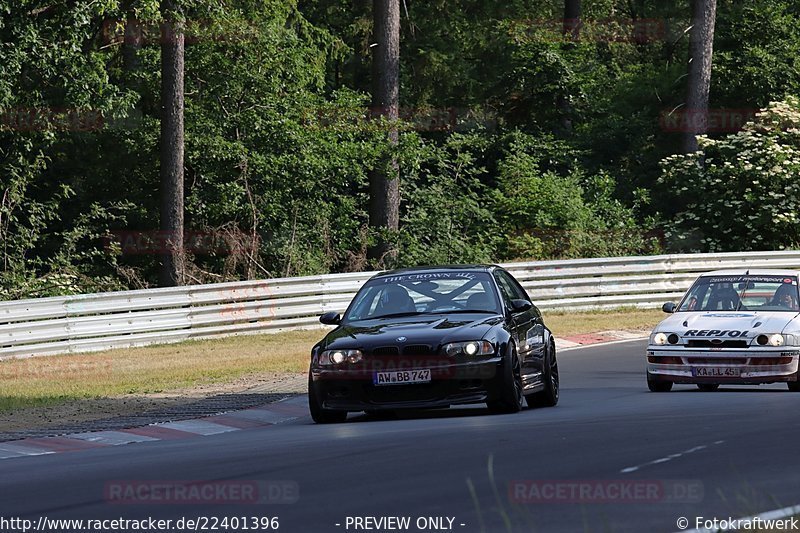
(729, 323)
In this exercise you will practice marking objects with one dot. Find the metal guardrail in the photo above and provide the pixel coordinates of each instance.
(90, 322)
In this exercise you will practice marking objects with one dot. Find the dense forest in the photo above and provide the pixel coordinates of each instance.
(299, 137)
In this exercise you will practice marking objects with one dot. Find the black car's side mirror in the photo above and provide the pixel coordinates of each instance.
(520, 306)
(331, 318)
(669, 307)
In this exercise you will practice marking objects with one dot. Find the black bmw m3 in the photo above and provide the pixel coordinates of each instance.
(433, 337)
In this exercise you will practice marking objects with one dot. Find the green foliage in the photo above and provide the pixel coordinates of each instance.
(52, 80)
(547, 214)
(741, 192)
(272, 168)
(267, 154)
(756, 53)
(446, 210)
(550, 147)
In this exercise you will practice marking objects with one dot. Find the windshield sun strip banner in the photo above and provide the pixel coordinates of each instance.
(756, 279)
(429, 277)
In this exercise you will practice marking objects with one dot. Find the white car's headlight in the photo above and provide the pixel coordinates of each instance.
(659, 338)
(775, 339)
(337, 357)
(469, 348)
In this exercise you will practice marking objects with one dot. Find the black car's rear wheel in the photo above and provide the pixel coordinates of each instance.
(509, 399)
(319, 414)
(549, 396)
(708, 387)
(657, 385)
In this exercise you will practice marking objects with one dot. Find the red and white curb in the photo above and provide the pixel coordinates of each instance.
(264, 416)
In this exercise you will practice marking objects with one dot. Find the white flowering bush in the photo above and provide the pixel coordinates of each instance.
(740, 192)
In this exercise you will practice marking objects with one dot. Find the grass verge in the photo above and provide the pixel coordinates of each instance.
(563, 324)
(46, 381)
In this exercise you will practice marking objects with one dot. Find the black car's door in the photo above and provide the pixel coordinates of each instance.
(527, 327)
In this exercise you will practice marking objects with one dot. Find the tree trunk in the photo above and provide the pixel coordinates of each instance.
(572, 19)
(172, 146)
(701, 50)
(384, 184)
(571, 30)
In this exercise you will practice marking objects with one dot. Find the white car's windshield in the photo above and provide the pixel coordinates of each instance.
(737, 293)
(420, 293)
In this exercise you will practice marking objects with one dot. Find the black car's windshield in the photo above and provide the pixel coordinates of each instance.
(424, 293)
(738, 293)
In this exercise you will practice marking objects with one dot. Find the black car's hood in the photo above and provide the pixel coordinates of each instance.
(427, 329)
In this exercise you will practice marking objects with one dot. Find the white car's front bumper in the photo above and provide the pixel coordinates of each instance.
(742, 366)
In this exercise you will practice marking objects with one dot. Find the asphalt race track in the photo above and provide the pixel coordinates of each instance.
(611, 457)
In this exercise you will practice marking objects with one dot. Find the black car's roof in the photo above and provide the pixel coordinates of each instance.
(435, 269)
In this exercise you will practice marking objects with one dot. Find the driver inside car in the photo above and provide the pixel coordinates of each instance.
(785, 296)
(394, 300)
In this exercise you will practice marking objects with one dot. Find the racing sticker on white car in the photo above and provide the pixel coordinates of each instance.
(754, 279)
(715, 333)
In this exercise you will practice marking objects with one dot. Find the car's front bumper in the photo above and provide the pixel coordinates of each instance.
(742, 366)
(453, 384)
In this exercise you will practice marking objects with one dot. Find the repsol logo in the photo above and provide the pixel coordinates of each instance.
(715, 333)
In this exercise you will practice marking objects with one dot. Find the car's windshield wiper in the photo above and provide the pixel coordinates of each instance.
(744, 290)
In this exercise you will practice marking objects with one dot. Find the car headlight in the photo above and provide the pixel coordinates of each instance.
(469, 348)
(659, 338)
(773, 340)
(337, 357)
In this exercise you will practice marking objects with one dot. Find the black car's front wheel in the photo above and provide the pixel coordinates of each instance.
(509, 398)
(319, 414)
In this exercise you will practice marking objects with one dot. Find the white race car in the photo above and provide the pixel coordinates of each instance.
(732, 327)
